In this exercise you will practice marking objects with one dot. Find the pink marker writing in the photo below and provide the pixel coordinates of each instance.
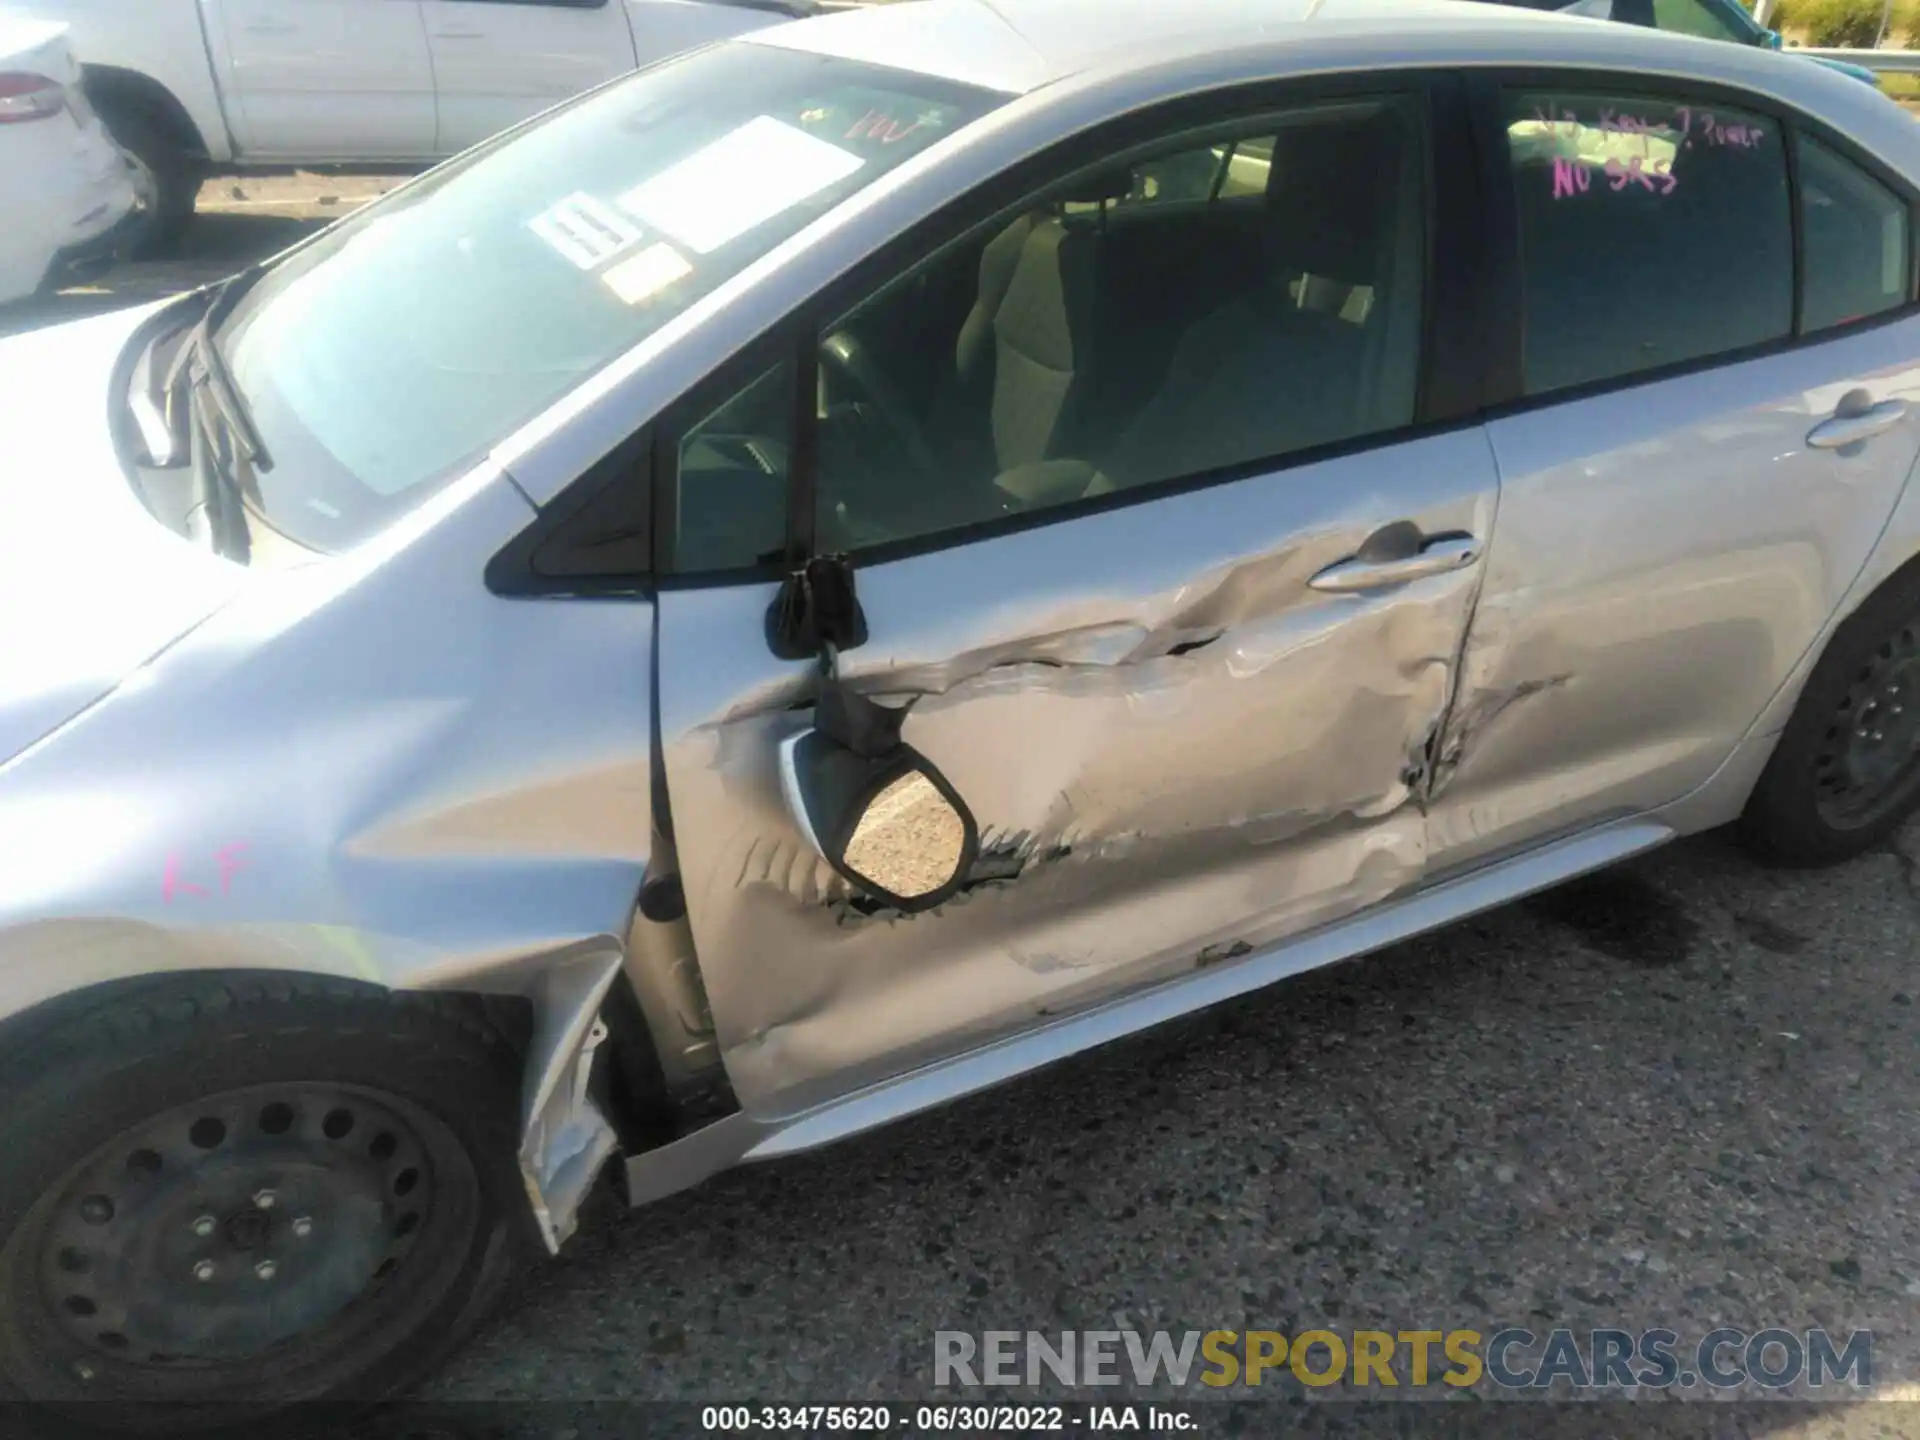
(171, 884)
(229, 860)
(1570, 177)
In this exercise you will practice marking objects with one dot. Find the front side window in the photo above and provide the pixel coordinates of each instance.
(409, 340)
(1855, 235)
(1105, 337)
(1227, 170)
(1651, 232)
(1054, 355)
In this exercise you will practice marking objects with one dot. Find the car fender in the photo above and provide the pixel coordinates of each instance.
(464, 805)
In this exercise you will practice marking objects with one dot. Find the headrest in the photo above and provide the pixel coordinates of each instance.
(1331, 193)
(1112, 183)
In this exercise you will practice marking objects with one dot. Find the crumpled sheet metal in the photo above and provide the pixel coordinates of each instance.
(465, 805)
(1212, 755)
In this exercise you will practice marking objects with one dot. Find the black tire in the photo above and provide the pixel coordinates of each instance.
(114, 1200)
(172, 177)
(1820, 801)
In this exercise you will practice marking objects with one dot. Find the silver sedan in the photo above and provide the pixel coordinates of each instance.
(856, 562)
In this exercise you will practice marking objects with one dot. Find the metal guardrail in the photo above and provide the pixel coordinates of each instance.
(1886, 62)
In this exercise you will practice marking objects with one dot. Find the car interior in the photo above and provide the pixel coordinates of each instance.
(1209, 306)
(1623, 274)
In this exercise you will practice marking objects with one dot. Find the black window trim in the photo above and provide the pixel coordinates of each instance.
(1487, 88)
(1456, 285)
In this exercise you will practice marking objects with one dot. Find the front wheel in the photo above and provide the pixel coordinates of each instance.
(223, 1195)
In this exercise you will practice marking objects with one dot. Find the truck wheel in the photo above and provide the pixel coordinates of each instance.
(1846, 772)
(166, 178)
(222, 1194)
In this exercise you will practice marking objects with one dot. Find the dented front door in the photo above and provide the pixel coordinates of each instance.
(1189, 727)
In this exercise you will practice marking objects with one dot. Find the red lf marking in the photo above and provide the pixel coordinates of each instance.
(231, 862)
(229, 859)
(171, 884)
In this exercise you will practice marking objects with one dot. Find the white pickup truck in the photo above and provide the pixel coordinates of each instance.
(192, 88)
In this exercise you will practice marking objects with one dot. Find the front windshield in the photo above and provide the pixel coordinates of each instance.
(397, 349)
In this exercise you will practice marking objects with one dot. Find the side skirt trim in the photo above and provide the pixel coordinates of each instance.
(691, 1159)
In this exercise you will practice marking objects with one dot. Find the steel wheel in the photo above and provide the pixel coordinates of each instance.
(233, 1243)
(1868, 763)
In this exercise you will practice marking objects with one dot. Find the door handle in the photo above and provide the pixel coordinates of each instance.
(458, 35)
(1849, 426)
(271, 27)
(1436, 557)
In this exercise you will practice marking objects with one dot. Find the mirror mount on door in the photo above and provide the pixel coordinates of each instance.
(817, 608)
(880, 812)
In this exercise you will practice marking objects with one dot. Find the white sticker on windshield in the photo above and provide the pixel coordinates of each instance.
(640, 276)
(745, 177)
(584, 229)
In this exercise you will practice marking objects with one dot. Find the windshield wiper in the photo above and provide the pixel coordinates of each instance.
(212, 425)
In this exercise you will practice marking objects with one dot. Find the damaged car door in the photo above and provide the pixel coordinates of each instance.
(1166, 533)
(1700, 454)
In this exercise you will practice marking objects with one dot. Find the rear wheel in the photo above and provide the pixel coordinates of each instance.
(221, 1196)
(1846, 772)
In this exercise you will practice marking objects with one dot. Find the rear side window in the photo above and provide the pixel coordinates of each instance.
(1651, 233)
(1856, 236)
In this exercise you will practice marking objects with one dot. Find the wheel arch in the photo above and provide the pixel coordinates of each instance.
(553, 1007)
(1895, 560)
(113, 86)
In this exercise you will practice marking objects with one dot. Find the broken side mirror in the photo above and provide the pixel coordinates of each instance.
(890, 824)
(879, 811)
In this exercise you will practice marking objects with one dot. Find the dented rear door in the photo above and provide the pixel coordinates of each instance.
(1178, 748)
(1681, 514)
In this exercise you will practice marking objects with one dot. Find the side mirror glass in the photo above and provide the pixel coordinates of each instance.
(891, 824)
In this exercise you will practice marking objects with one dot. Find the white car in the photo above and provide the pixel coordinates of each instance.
(65, 187)
(193, 88)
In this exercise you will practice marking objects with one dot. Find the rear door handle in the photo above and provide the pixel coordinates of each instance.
(271, 27)
(1850, 429)
(1436, 557)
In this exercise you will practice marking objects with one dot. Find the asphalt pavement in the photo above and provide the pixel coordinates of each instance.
(1684, 1094)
